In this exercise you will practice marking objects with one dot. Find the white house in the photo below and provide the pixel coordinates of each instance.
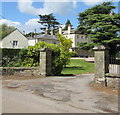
(14, 40)
(76, 36)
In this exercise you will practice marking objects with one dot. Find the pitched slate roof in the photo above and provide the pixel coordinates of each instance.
(44, 36)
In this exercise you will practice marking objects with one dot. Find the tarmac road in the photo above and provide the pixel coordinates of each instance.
(56, 95)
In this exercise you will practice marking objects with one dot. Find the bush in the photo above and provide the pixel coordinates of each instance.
(60, 54)
(9, 57)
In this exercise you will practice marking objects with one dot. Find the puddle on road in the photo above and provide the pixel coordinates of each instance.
(58, 95)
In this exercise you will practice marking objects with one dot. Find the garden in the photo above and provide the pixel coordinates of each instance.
(78, 66)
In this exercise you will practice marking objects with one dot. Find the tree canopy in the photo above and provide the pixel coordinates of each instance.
(5, 30)
(48, 21)
(101, 24)
(67, 24)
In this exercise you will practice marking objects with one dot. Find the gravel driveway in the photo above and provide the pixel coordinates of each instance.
(56, 95)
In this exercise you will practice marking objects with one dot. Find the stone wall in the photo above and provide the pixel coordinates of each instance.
(44, 69)
(20, 71)
(104, 72)
(113, 82)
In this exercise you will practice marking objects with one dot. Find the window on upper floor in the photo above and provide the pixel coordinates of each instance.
(82, 37)
(77, 36)
(15, 44)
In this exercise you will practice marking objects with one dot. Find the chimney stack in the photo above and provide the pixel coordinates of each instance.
(111, 13)
(52, 31)
(46, 32)
(60, 30)
(69, 29)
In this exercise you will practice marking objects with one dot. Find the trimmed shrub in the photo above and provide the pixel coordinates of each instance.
(11, 57)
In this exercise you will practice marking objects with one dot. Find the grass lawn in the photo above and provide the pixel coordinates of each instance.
(77, 66)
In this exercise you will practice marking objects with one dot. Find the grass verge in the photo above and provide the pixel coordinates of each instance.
(77, 66)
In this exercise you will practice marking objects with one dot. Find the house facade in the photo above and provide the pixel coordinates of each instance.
(15, 40)
(75, 36)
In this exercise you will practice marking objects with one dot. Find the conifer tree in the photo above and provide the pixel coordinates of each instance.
(101, 24)
(67, 24)
(48, 21)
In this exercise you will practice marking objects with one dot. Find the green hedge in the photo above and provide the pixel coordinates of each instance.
(11, 57)
(10, 52)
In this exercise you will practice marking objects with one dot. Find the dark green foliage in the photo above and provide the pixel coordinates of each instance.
(101, 25)
(10, 57)
(14, 57)
(67, 24)
(31, 34)
(49, 22)
(85, 45)
(5, 30)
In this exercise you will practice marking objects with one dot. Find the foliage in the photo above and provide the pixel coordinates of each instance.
(10, 57)
(31, 34)
(60, 54)
(5, 30)
(30, 57)
(77, 66)
(101, 24)
(67, 24)
(49, 22)
(65, 45)
(85, 45)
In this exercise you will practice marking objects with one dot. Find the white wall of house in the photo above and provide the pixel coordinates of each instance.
(14, 40)
(81, 38)
(31, 42)
(72, 36)
(76, 38)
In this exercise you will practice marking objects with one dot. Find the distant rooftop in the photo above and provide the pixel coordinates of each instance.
(72, 31)
(44, 36)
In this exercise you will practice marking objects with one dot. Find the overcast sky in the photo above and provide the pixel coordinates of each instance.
(23, 14)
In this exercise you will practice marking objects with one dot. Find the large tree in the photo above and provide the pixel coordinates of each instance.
(101, 24)
(5, 30)
(67, 24)
(49, 22)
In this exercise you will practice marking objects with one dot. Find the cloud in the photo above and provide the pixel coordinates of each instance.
(29, 26)
(63, 7)
(9, 22)
(93, 2)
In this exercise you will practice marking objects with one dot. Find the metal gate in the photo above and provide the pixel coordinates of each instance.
(114, 65)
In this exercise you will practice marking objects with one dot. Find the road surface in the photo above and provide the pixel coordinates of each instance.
(56, 95)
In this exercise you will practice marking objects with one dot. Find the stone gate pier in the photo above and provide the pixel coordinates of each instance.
(45, 66)
(102, 68)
